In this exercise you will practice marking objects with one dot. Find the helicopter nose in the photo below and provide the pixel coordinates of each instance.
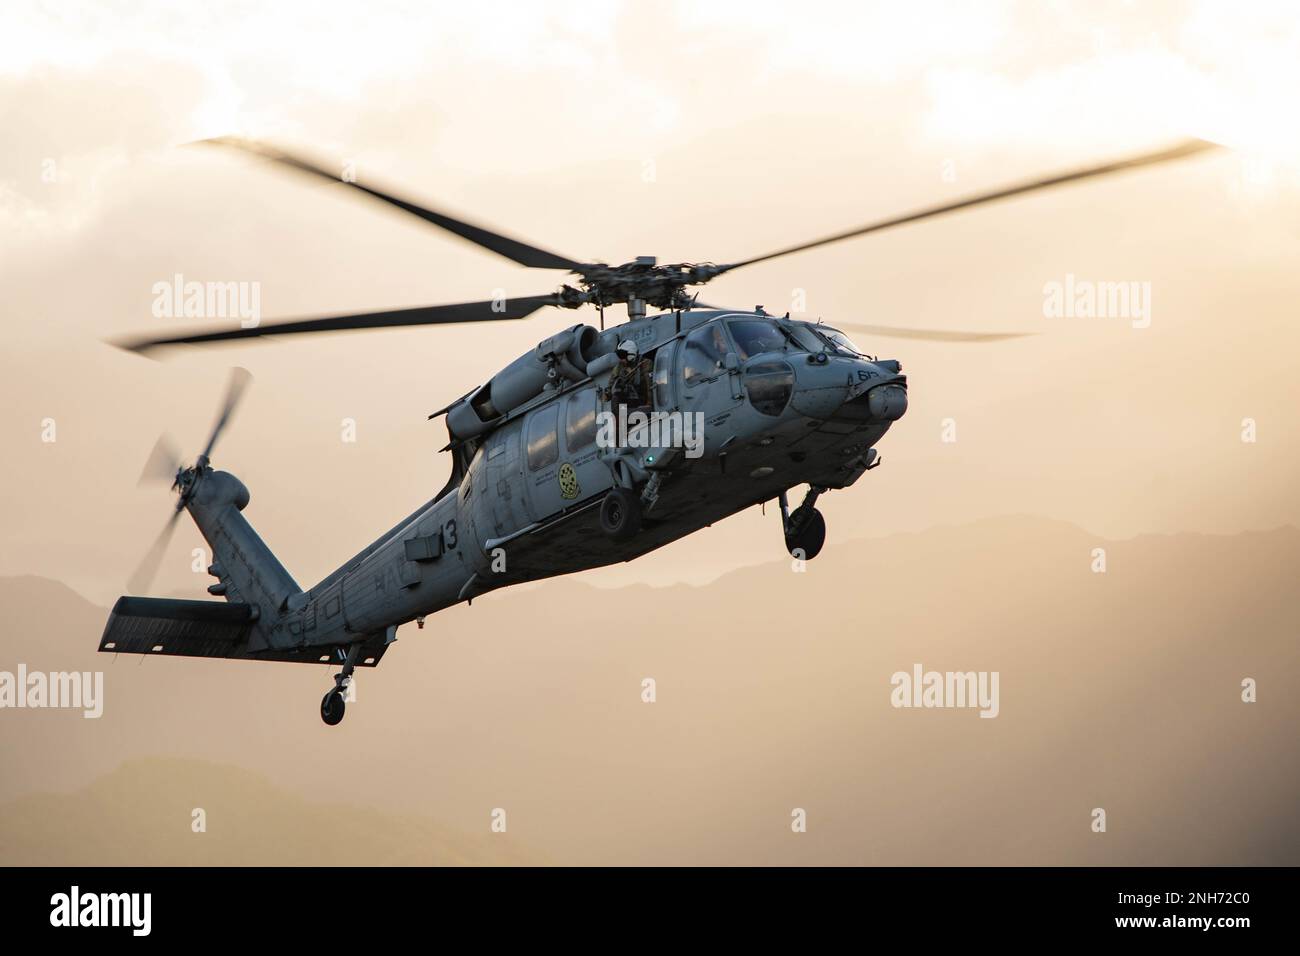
(857, 391)
(883, 402)
(888, 402)
(821, 387)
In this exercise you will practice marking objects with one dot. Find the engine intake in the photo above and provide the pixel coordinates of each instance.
(563, 357)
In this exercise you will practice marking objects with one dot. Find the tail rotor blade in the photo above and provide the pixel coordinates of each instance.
(147, 569)
(239, 379)
(162, 463)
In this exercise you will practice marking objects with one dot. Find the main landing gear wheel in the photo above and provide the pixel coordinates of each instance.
(620, 514)
(807, 533)
(332, 706)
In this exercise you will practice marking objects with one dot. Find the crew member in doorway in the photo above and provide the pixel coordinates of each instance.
(629, 384)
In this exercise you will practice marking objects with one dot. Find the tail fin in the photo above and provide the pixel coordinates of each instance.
(247, 571)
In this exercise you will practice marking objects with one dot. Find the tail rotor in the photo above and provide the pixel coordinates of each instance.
(164, 463)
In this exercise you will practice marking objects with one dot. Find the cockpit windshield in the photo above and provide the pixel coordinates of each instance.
(841, 341)
(804, 337)
(756, 336)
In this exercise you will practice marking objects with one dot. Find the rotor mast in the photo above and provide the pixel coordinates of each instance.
(636, 304)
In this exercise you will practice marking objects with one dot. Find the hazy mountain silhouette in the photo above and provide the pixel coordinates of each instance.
(142, 814)
(1119, 690)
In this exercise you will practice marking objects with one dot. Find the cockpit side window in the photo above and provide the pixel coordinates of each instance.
(769, 385)
(703, 353)
(663, 387)
(756, 336)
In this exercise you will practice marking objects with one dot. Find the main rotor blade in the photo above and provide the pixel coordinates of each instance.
(1184, 149)
(899, 332)
(147, 569)
(513, 249)
(930, 335)
(490, 311)
(239, 379)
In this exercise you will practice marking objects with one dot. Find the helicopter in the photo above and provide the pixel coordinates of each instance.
(553, 469)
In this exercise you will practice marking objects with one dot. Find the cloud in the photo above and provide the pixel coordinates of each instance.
(78, 128)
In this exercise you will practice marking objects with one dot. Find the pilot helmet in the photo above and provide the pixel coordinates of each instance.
(627, 350)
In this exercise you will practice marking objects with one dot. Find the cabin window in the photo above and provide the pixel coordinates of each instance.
(543, 447)
(472, 475)
(580, 420)
(703, 353)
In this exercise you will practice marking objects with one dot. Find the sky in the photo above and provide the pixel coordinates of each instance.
(688, 131)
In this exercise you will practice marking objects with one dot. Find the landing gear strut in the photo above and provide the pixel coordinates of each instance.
(332, 704)
(805, 529)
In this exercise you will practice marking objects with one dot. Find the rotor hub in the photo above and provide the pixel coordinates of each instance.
(663, 287)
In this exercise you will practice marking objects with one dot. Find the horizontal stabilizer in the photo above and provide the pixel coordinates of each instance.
(164, 626)
(142, 625)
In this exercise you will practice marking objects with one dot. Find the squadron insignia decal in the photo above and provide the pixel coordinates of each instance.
(569, 487)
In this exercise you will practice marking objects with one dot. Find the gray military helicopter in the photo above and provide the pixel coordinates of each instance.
(548, 477)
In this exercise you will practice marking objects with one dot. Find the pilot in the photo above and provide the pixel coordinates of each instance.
(629, 384)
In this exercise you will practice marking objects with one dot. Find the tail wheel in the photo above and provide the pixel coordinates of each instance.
(807, 533)
(332, 707)
(620, 514)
